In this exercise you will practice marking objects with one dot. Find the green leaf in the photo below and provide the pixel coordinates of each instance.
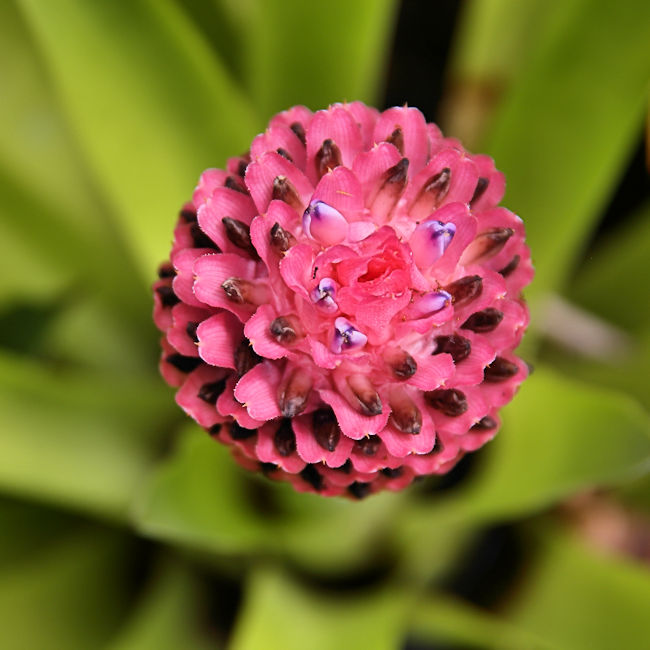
(77, 438)
(167, 617)
(566, 128)
(559, 436)
(150, 103)
(580, 599)
(198, 498)
(69, 594)
(201, 498)
(609, 281)
(315, 53)
(439, 617)
(280, 614)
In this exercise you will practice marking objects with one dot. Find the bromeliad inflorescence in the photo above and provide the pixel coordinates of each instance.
(342, 302)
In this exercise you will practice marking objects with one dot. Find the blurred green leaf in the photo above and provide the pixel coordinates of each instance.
(566, 128)
(77, 438)
(35, 147)
(167, 618)
(197, 498)
(201, 498)
(580, 599)
(315, 53)
(439, 617)
(280, 614)
(149, 102)
(610, 281)
(70, 594)
(28, 527)
(559, 436)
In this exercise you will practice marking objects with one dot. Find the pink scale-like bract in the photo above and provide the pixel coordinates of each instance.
(342, 302)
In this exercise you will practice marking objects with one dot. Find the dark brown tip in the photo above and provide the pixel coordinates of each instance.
(187, 215)
(237, 432)
(284, 190)
(282, 330)
(390, 472)
(483, 321)
(367, 397)
(465, 289)
(167, 296)
(449, 401)
(481, 186)
(458, 346)
(359, 490)
(484, 424)
(486, 245)
(285, 439)
(328, 157)
(404, 366)
(235, 289)
(234, 183)
(406, 416)
(183, 363)
(215, 429)
(284, 153)
(210, 392)
(239, 234)
(268, 468)
(435, 189)
(166, 271)
(500, 370)
(282, 240)
(368, 446)
(242, 166)
(190, 329)
(200, 239)
(245, 357)
(326, 428)
(299, 130)
(311, 475)
(510, 266)
(346, 468)
(396, 138)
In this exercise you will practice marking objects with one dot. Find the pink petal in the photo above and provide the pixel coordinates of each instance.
(338, 125)
(228, 405)
(353, 424)
(257, 390)
(311, 452)
(366, 118)
(219, 337)
(279, 136)
(261, 173)
(340, 189)
(257, 332)
(267, 452)
(211, 271)
(370, 166)
(414, 132)
(210, 179)
(178, 336)
(296, 269)
(187, 396)
(183, 283)
(433, 371)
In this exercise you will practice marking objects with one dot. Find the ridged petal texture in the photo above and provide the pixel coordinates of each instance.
(342, 303)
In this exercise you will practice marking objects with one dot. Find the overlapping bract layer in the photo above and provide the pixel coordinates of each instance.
(343, 302)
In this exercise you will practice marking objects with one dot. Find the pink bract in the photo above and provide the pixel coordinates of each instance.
(342, 302)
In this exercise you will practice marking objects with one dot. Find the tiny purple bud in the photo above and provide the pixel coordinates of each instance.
(324, 223)
(346, 336)
(430, 240)
(429, 303)
(323, 295)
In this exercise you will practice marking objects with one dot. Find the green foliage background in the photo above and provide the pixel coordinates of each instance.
(125, 527)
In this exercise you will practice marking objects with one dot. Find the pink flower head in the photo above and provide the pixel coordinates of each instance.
(343, 301)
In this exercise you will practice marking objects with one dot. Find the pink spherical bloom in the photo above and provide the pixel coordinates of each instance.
(342, 303)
